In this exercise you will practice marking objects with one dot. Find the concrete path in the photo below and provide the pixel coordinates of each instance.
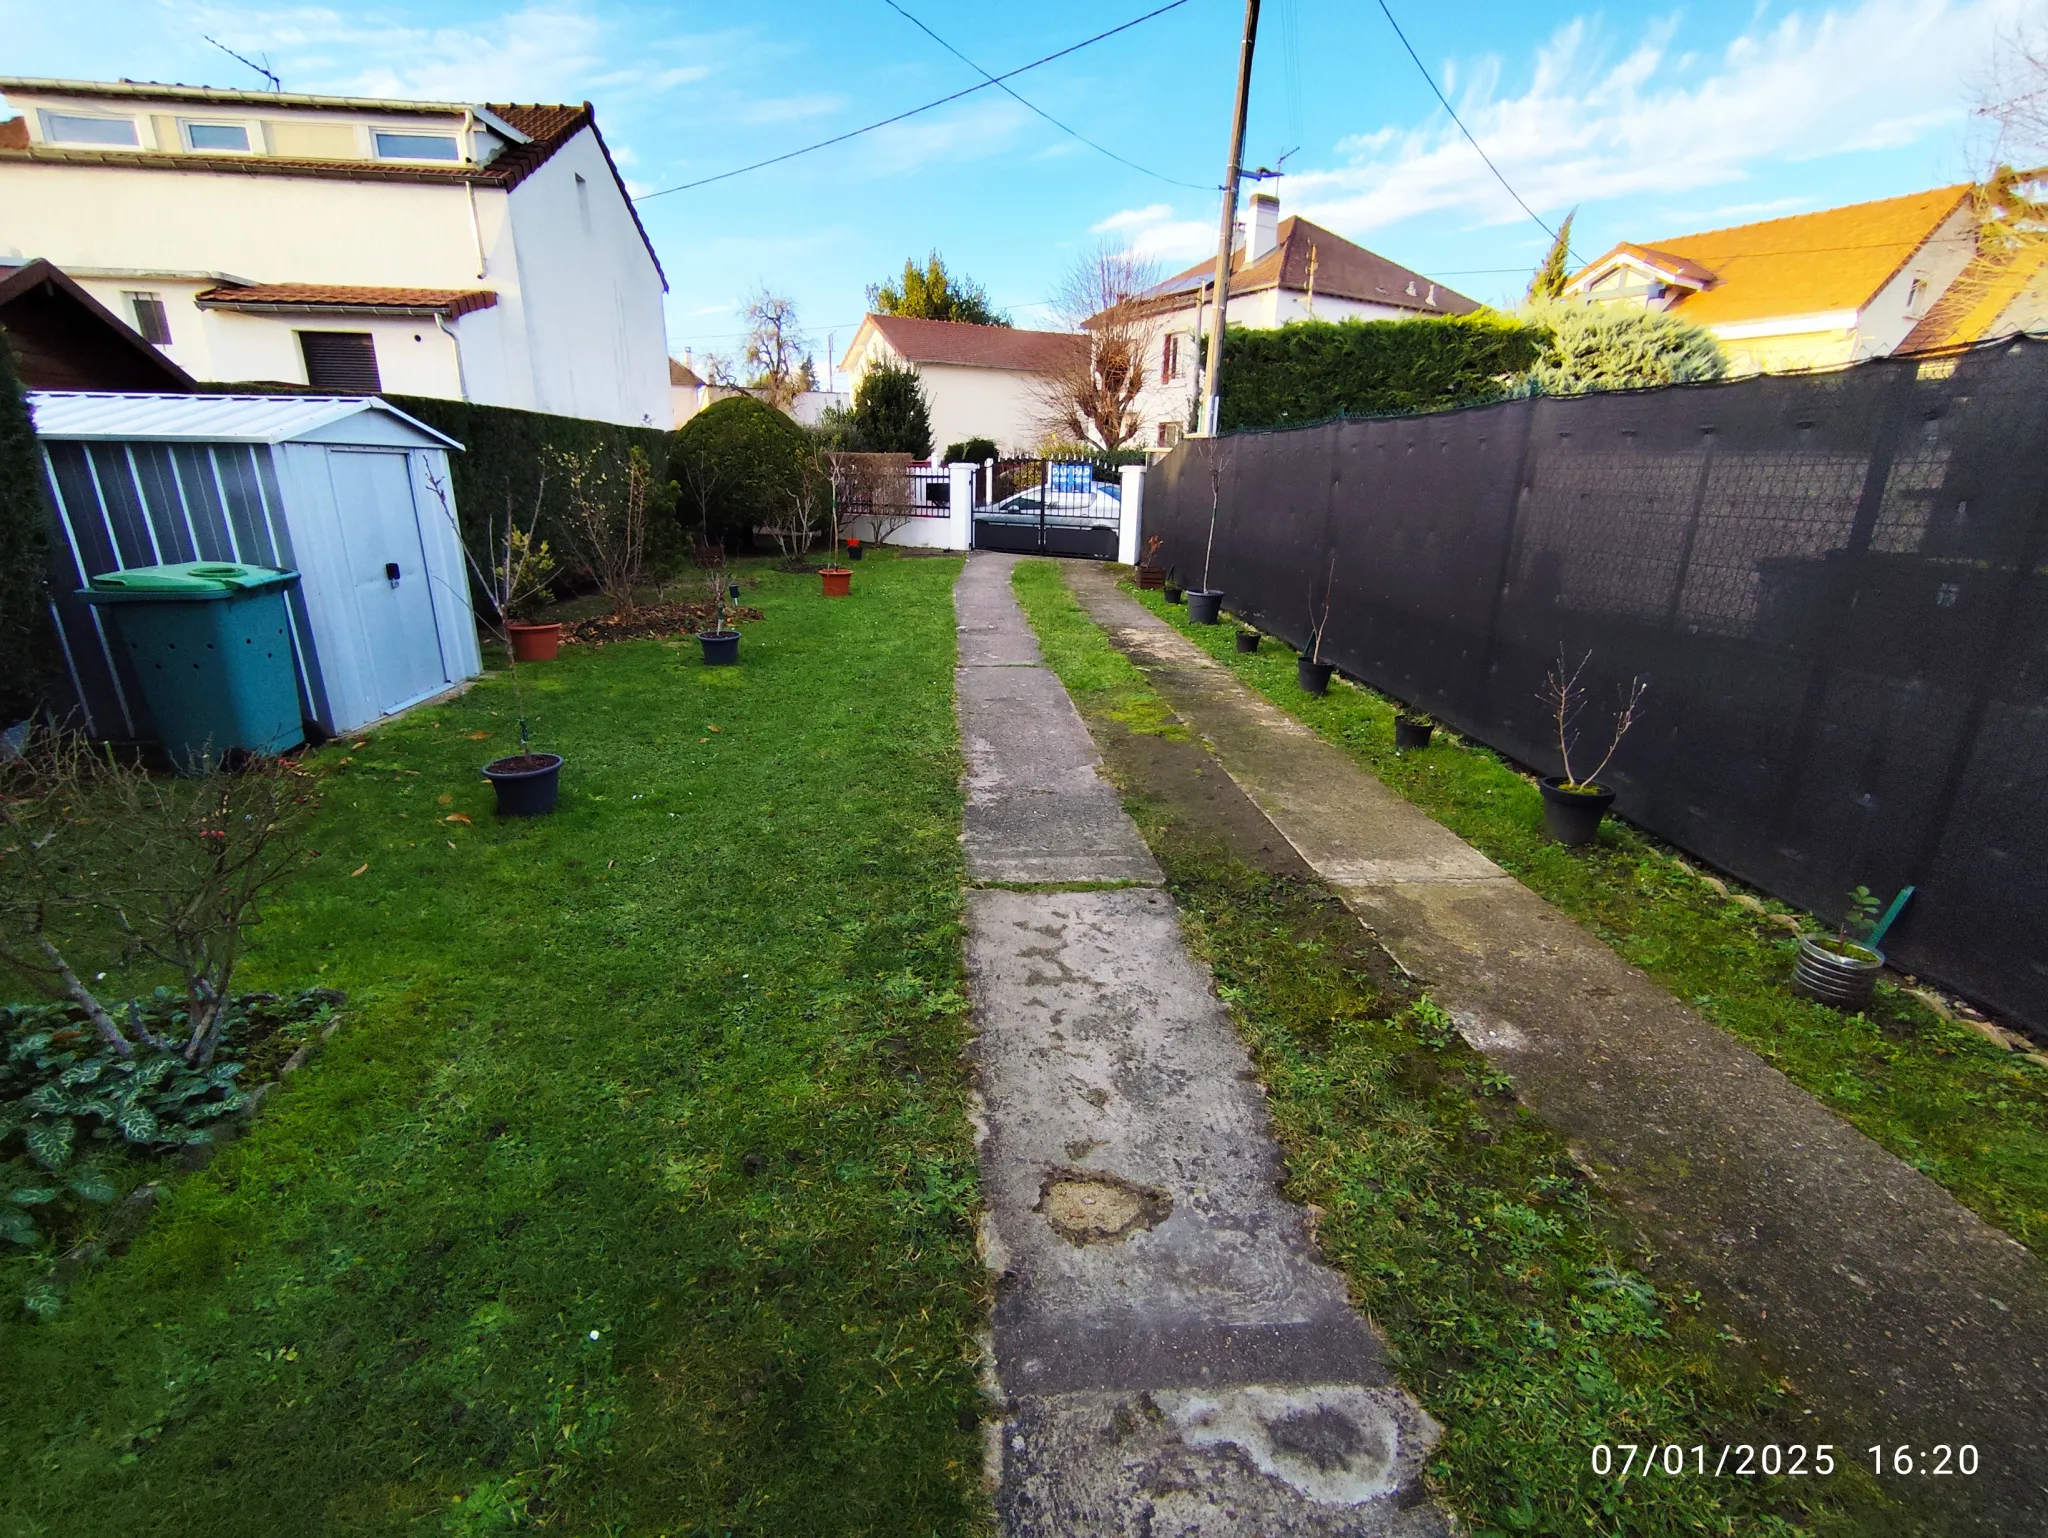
(1174, 1357)
(1893, 1306)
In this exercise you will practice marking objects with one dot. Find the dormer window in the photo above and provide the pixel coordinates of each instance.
(415, 146)
(217, 136)
(1916, 295)
(81, 128)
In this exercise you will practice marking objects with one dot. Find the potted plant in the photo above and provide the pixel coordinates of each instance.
(1835, 969)
(1573, 805)
(526, 783)
(854, 548)
(1247, 639)
(1173, 590)
(817, 474)
(1412, 728)
(1205, 603)
(1151, 575)
(721, 642)
(1310, 671)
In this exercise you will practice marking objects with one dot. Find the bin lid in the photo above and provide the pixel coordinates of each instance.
(184, 579)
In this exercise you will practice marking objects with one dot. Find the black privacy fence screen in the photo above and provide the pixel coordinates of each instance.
(1835, 586)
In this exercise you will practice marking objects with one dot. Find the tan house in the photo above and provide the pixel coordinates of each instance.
(981, 381)
(1281, 270)
(1820, 290)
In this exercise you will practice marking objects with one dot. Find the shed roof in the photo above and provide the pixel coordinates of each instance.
(74, 415)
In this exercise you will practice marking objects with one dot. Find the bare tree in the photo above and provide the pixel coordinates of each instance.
(104, 866)
(805, 506)
(605, 521)
(703, 478)
(2012, 114)
(776, 349)
(1566, 697)
(1091, 395)
(874, 487)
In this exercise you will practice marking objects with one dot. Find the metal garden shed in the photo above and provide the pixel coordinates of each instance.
(339, 489)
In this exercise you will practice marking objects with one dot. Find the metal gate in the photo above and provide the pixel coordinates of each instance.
(1046, 507)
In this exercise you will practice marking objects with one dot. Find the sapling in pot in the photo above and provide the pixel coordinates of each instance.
(721, 642)
(526, 783)
(1310, 671)
(1412, 728)
(1835, 969)
(1151, 575)
(1205, 603)
(1574, 804)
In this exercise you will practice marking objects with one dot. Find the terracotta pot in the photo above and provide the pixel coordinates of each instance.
(838, 580)
(535, 643)
(1151, 578)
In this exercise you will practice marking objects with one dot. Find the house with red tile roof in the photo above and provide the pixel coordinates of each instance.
(1281, 270)
(981, 381)
(474, 251)
(1819, 290)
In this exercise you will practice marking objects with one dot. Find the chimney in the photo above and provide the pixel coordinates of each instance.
(1265, 225)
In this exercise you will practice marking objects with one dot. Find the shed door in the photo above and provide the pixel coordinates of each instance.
(380, 530)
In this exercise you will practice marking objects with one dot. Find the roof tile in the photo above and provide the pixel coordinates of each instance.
(338, 296)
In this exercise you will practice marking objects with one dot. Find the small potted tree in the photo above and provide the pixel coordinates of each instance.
(1205, 603)
(1151, 575)
(1573, 805)
(1835, 969)
(1412, 727)
(721, 642)
(527, 783)
(1310, 671)
(1247, 639)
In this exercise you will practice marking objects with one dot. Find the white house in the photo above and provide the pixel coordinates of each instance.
(1281, 270)
(474, 252)
(981, 381)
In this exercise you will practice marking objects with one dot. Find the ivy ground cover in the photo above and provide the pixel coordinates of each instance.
(635, 1192)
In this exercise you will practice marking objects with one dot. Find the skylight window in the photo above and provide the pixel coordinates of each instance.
(78, 128)
(217, 136)
(397, 146)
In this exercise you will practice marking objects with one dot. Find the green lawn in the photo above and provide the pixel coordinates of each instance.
(1520, 1308)
(635, 1195)
(1962, 1111)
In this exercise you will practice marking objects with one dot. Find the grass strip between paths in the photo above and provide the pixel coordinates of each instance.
(1960, 1110)
(637, 1193)
(1524, 1312)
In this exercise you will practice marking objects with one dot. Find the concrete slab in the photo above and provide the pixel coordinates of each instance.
(1173, 1355)
(1897, 1310)
(1038, 809)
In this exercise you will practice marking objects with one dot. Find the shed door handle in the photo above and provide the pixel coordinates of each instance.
(391, 572)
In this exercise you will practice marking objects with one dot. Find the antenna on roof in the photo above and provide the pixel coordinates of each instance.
(1273, 172)
(275, 83)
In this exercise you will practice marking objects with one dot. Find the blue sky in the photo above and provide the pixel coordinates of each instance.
(1652, 121)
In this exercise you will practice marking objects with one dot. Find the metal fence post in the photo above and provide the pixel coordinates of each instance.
(960, 507)
(1131, 522)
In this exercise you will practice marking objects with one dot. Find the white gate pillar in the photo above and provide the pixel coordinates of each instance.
(960, 507)
(1130, 525)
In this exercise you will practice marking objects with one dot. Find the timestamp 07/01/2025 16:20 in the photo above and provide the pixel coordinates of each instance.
(1673, 1460)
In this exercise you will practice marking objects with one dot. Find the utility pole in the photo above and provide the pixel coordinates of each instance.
(1223, 239)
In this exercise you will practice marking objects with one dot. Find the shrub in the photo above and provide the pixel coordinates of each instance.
(891, 414)
(971, 452)
(1313, 370)
(1597, 347)
(738, 460)
(28, 646)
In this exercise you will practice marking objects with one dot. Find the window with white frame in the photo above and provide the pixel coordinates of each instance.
(1169, 434)
(151, 318)
(415, 146)
(88, 128)
(1916, 295)
(217, 136)
(1169, 356)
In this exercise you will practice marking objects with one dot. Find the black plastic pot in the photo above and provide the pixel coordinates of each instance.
(1412, 734)
(527, 783)
(1573, 816)
(855, 550)
(1314, 677)
(1247, 640)
(1173, 592)
(1205, 605)
(1833, 977)
(721, 647)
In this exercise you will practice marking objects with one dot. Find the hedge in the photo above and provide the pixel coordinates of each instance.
(503, 448)
(1310, 371)
(756, 454)
(28, 646)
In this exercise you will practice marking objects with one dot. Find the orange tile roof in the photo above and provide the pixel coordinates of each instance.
(1342, 269)
(1836, 259)
(337, 296)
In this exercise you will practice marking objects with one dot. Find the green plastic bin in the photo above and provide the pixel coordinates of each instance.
(211, 643)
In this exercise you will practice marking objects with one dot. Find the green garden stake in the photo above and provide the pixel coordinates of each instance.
(1890, 914)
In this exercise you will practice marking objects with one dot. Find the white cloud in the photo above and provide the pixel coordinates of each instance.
(786, 109)
(1134, 219)
(1154, 231)
(1587, 126)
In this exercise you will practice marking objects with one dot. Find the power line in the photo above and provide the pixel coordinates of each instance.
(1431, 82)
(855, 133)
(1062, 127)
